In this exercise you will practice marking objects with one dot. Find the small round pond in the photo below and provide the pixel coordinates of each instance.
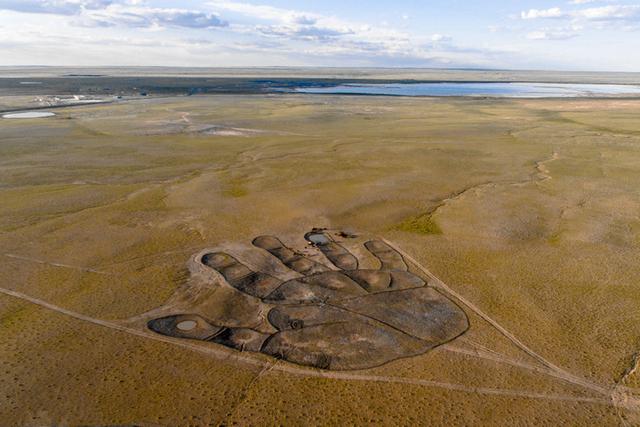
(186, 325)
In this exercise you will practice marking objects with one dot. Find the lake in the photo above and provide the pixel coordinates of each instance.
(506, 90)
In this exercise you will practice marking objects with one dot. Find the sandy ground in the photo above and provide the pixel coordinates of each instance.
(527, 210)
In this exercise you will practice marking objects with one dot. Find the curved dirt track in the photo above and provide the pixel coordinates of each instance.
(561, 373)
(266, 366)
(609, 396)
(619, 396)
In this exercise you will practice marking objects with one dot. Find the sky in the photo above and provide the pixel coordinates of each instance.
(601, 35)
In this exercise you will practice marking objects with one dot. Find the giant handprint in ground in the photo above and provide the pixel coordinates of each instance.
(330, 315)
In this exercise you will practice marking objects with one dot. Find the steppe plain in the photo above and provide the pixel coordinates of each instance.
(527, 209)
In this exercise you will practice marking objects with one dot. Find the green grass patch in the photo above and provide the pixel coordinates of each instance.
(555, 238)
(421, 224)
(236, 191)
(16, 317)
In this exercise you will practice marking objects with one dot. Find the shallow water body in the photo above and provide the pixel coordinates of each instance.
(504, 90)
(28, 115)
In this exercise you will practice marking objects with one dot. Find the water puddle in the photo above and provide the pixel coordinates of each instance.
(28, 115)
(186, 325)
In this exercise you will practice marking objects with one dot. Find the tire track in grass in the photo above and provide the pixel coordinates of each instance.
(227, 355)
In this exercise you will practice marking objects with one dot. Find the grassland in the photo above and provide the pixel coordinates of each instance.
(528, 208)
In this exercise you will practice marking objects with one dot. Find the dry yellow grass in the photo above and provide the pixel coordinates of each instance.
(527, 208)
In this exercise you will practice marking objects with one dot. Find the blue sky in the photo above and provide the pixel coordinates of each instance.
(563, 34)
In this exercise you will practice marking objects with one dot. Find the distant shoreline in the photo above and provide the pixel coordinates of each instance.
(114, 87)
(333, 73)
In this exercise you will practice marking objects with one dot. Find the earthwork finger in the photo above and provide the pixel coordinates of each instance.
(389, 258)
(337, 254)
(240, 276)
(292, 259)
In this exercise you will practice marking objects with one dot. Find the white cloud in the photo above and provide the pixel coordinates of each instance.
(316, 35)
(290, 23)
(299, 25)
(554, 12)
(440, 38)
(152, 17)
(59, 7)
(590, 1)
(132, 32)
(610, 13)
(303, 32)
(620, 17)
(551, 35)
(602, 13)
(104, 13)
